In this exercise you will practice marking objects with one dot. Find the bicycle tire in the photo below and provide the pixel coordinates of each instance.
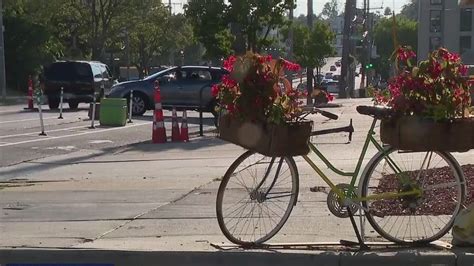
(229, 188)
(423, 206)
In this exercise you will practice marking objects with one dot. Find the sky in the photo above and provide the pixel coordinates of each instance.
(317, 5)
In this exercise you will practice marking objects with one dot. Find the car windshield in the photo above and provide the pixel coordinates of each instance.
(158, 74)
(68, 72)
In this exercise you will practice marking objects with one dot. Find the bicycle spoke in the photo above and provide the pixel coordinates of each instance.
(399, 219)
(265, 195)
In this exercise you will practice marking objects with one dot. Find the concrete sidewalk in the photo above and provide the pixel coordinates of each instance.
(149, 204)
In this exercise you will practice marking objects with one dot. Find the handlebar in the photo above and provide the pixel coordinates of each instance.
(319, 111)
(326, 114)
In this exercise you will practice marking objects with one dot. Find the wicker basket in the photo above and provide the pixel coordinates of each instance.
(421, 134)
(290, 139)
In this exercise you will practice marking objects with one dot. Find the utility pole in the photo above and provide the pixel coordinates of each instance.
(127, 45)
(2, 56)
(309, 70)
(290, 40)
(346, 47)
(364, 56)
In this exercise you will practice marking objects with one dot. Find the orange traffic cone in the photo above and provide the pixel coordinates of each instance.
(184, 128)
(159, 131)
(30, 95)
(175, 127)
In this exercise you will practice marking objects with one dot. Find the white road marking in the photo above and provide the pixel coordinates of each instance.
(99, 141)
(73, 135)
(64, 148)
(36, 133)
(24, 120)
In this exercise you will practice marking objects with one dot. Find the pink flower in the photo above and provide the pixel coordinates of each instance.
(463, 70)
(229, 62)
(291, 66)
(215, 90)
(404, 54)
(228, 81)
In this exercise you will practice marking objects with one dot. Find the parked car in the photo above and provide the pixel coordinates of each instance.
(180, 87)
(79, 80)
(332, 68)
(331, 86)
(328, 75)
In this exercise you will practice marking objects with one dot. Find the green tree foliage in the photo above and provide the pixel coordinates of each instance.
(410, 10)
(313, 45)
(406, 31)
(28, 44)
(38, 32)
(252, 19)
(330, 10)
(209, 23)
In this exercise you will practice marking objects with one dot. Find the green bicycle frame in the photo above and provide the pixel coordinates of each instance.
(369, 139)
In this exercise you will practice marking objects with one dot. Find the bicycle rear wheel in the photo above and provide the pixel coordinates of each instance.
(414, 217)
(256, 197)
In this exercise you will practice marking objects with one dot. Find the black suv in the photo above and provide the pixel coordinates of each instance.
(79, 80)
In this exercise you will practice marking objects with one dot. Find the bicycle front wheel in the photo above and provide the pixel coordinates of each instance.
(412, 197)
(255, 197)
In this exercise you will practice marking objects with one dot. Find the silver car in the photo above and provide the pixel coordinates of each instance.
(180, 87)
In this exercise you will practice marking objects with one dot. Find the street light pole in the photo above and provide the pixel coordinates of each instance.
(309, 70)
(346, 49)
(127, 46)
(2, 56)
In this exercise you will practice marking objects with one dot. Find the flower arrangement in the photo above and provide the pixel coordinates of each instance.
(436, 88)
(256, 90)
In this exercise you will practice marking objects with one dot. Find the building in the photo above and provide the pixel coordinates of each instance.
(337, 26)
(443, 23)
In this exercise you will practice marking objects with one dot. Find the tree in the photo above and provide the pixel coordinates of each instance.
(406, 35)
(253, 20)
(313, 45)
(387, 11)
(410, 10)
(28, 44)
(330, 10)
(99, 16)
(209, 23)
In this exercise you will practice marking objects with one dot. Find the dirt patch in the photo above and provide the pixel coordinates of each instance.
(438, 201)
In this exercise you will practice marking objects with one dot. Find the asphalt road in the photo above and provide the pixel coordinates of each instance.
(20, 142)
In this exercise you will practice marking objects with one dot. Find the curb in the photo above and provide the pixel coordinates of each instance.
(237, 258)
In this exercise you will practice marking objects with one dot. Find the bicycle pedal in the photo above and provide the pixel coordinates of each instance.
(318, 189)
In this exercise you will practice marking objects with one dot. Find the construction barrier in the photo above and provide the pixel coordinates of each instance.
(159, 131)
(175, 135)
(184, 127)
(61, 97)
(30, 94)
(130, 108)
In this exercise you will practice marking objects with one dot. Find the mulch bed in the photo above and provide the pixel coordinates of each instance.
(434, 202)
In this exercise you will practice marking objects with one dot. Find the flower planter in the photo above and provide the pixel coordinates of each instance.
(421, 134)
(273, 140)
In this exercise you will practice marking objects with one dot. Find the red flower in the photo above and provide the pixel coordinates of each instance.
(215, 90)
(291, 66)
(228, 81)
(229, 63)
(463, 70)
(404, 54)
(329, 96)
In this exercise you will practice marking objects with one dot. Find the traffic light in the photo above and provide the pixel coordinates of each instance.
(369, 66)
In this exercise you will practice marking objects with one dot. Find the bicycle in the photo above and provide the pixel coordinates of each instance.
(399, 200)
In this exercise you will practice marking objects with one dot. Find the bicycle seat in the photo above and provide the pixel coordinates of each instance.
(374, 111)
